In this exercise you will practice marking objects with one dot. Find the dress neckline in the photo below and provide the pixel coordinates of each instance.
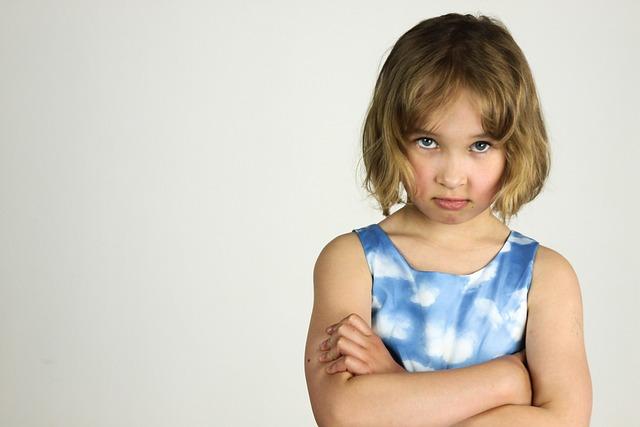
(404, 260)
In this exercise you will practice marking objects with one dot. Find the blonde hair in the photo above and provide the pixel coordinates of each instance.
(425, 71)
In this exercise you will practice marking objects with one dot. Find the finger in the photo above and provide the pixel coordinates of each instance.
(350, 364)
(340, 329)
(356, 366)
(331, 350)
(345, 319)
(350, 332)
(329, 328)
(359, 323)
(343, 347)
(337, 366)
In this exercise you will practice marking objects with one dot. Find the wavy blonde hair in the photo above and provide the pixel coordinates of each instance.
(424, 72)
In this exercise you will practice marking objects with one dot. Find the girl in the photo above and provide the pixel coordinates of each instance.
(425, 318)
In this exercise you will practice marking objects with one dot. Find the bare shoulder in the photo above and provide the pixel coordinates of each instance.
(344, 252)
(552, 273)
(341, 286)
(550, 258)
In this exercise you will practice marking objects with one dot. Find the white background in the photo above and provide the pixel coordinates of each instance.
(169, 172)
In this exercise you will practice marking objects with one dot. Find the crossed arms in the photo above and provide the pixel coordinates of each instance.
(492, 393)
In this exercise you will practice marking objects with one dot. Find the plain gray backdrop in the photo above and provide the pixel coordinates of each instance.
(169, 172)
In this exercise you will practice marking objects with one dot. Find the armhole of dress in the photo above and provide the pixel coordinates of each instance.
(529, 270)
(365, 250)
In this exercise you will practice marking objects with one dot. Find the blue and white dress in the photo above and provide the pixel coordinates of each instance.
(432, 320)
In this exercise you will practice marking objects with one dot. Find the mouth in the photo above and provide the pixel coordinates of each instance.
(451, 204)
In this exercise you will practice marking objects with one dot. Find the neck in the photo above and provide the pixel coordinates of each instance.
(481, 228)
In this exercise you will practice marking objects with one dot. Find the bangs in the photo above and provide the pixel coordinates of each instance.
(435, 93)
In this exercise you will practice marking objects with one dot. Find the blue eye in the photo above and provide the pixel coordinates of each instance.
(423, 138)
(488, 144)
(479, 144)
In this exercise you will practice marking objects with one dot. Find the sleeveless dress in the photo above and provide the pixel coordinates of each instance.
(431, 320)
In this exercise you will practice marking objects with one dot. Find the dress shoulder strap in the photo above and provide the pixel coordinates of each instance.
(370, 244)
(383, 259)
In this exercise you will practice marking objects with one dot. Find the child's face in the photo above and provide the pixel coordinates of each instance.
(453, 161)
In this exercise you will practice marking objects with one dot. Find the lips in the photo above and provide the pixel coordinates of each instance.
(451, 204)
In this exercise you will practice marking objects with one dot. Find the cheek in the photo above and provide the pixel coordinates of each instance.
(421, 168)
(489, 179)
(423, 177)
(422, 173)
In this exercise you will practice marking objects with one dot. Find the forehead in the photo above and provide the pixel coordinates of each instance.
(461, 104)
(459, 116)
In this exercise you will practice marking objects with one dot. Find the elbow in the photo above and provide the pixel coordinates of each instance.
(577, 415)
(575, 422)
(328, 408)
(342, 415)
(331, 398)
(337, 411)
(349, 413)
(329, 415)
(581, 418)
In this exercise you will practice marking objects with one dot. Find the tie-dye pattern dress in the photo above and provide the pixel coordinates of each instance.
(432, 320)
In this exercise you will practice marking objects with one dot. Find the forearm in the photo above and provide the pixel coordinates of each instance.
(520, 415)
(433, 398)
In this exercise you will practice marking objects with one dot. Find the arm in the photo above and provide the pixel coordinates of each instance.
(342, 285)
(556, 358)
(435, 398)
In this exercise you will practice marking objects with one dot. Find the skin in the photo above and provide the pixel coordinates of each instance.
(366, 352)
(353, 347)
(449, 160)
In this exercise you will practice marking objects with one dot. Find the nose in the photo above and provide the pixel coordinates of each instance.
(451, 174)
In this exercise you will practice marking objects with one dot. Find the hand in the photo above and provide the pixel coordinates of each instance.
(356, 348)
(521, 392)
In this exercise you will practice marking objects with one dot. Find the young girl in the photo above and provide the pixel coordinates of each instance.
(425, 317)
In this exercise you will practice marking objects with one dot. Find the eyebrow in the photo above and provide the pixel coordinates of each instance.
(430, 132)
